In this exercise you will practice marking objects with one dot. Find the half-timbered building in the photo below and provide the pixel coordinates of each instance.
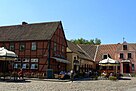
(39, 46)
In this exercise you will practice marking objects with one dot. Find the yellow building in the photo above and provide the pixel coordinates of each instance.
(80, 60)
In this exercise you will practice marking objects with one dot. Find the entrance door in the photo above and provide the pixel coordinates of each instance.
(126, 68)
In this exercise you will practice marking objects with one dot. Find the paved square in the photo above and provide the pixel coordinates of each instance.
(90, 85)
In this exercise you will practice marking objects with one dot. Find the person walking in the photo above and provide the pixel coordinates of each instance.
(20, 74)
(72, 75)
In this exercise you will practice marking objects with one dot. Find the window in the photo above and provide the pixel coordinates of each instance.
(19, 59)
(25, 66)
(34, 66)
(129, 55)
(124, 47)
(121, 56)
(74, 58)
(11, 47)
(22, 46)
(25, 60)
(17, 66)
(34, 60)
(105, 56)
(133, 67)
(63, 49)
(55, 47)
(33, 47)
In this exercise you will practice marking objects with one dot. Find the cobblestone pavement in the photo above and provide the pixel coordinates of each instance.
(86, 85)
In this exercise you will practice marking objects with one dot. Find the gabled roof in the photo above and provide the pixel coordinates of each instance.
(109, 49)
(89, 49)
(75, 49)
(36, 31)
(97, 52)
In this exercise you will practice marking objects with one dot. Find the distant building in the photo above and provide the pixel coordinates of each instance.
(80, 60)
(39, 46)
(125, 53)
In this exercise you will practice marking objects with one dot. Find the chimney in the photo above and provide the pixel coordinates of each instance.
(24, 23)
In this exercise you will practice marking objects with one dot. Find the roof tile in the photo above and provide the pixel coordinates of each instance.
(37, 31)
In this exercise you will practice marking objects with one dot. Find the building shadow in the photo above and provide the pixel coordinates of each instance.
(124, 78)
(15, 81)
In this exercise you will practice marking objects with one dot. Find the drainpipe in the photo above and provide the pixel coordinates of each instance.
(49, 51)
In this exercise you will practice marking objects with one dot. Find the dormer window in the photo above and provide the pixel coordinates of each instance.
(105, 56)
(124, 47)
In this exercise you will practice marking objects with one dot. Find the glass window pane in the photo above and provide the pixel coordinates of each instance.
(33, 46)
(12, 47)
(34, 66)
(129, 55)
(133, 67)
(22, 47)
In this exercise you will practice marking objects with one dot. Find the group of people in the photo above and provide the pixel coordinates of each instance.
(65, 75)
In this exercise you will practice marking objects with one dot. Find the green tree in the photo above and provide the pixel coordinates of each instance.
(95, 41)
(91, 41)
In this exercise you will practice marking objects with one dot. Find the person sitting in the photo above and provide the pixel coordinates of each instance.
(104, 73)
(61, 74)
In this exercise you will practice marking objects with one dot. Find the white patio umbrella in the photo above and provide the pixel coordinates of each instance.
(109, 62)
(6, 55)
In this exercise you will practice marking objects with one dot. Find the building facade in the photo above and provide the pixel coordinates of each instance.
(39, 46)
(124, 52)
(80, 61)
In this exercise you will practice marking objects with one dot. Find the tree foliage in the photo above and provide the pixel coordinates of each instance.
(95, 41)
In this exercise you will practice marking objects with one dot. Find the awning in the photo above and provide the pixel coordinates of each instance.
(126, 61)
(61, 60)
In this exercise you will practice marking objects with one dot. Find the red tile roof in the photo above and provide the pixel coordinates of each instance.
(109, 49)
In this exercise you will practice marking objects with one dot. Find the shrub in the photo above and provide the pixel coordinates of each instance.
(113, 78)
(96, 77)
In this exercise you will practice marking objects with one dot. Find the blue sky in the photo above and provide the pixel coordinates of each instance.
(108, 20)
